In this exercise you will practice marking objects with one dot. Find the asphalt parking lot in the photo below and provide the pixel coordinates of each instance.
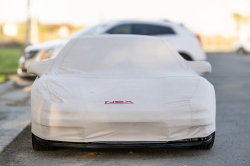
(231, 78)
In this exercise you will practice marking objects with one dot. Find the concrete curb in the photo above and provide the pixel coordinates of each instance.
(15, 113)
(6, 86)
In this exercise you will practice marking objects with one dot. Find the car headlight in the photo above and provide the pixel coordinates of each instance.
(46, 54)
(30, 54)
(50, 53)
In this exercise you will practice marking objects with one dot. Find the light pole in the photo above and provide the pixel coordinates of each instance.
(27, 42)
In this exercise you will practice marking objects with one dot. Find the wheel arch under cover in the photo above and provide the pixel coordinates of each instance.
(203, 109)
(40, 107)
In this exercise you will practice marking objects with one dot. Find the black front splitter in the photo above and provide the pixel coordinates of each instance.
(207, 140)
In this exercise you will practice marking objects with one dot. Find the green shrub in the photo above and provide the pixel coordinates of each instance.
(9, 60)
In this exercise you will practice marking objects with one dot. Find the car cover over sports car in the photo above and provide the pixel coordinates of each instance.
(120, 88)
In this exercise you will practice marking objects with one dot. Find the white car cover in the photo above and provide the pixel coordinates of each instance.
(120, 88)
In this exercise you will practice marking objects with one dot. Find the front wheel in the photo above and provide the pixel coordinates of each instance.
(241, 51)
(205, 147)
(38, 147)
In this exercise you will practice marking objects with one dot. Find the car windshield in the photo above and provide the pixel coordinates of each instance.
(93, 30)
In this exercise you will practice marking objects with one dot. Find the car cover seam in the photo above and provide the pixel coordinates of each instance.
(67, 54)
(52, 65)
(48, 107)
(173, 54)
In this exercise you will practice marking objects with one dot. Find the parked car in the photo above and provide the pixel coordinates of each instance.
(242, 47)
(179, 37)
(121, 91)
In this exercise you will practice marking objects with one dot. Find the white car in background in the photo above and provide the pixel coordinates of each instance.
(179, 37)
(242, 47)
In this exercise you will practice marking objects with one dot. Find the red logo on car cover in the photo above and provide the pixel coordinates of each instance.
(119, 102)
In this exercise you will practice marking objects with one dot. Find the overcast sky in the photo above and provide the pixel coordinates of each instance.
(207, 17)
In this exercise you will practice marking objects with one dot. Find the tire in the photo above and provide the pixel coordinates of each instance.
(241, 51)
(186, 57)
(205, 147)
(36, 146)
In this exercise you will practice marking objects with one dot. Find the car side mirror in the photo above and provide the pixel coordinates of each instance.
(200, 67)
(40, 67)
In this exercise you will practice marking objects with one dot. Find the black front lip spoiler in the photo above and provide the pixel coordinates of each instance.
(124, 144)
